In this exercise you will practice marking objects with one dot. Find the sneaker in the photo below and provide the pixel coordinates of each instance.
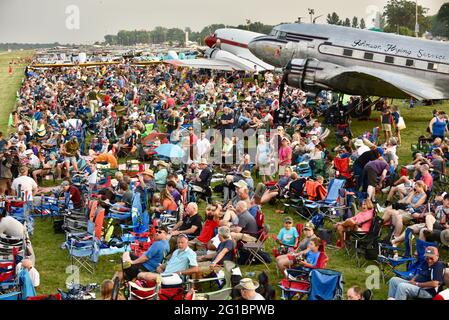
(386, 190)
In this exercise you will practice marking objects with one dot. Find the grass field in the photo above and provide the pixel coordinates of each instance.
(52, 261)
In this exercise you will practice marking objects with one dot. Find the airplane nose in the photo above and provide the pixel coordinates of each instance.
(266, 49)
(210, 41)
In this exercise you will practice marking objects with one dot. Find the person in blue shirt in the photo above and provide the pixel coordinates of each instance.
(182, 262)
(309, 257)
(288, 237)
(150, 260)
(160, 178)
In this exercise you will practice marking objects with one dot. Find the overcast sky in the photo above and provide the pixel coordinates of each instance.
(39, 21)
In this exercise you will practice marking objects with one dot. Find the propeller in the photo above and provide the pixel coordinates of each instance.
(282, 86)
(285, 77)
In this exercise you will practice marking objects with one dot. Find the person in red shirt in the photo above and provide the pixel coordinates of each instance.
(285, 156)
(208, 232)
(75, 194)
(360, 222)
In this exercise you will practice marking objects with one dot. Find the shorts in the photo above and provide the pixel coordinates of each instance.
(406, 216)
(265, 170)
(371, 177)
(132, 272)
(386, 127)
(70, 160)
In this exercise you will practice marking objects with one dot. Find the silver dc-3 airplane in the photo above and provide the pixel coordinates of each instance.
(359, 62)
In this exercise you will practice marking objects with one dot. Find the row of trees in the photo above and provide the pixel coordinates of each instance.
(398, 16)
(161, 34)
(333, 18)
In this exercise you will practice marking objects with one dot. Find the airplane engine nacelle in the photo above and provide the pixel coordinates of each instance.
(306, 74)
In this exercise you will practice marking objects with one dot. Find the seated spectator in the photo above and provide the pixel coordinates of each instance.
(288, 237)
(425, 284)
(306, 259)
(355, 293)
(246, 230)
(149, 261)
(160, 178)
(224, 252)
(182, 262)
(34, 274)
(406, 209)
(248, 288)
(404, 185)
(190, 225)
(208, 231)
(204, 177)
(360, 222)
(167, 204)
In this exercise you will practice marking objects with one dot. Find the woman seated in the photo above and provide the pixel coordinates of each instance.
(406, 209)
(266, 194)
(360, 222)
(286, 261)
(166, 204)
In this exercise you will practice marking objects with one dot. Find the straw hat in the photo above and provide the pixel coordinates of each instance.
(247, 284)
(203, 161)
(246, 174)
(162, 163)
(148, 172)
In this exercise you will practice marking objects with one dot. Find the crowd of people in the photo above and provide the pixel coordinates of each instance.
(74, 122)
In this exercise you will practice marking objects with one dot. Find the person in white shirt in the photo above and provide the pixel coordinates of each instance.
(34, 274)
(9, 226)
(33, 161)
(28, 187)
(203, 146)
(361, 147)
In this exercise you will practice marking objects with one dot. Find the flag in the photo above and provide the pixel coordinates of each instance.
(10, 120)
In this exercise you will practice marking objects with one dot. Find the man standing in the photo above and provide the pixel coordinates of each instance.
(424, 285)
(373, 170)
(71, 149)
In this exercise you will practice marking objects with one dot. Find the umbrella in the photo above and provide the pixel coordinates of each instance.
(170, 151)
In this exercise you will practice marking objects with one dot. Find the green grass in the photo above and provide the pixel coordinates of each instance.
(51, 261)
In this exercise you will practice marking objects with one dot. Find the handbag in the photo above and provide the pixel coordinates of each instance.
(401, 124)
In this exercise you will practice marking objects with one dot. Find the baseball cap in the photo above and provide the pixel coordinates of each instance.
(309, 226)
(431, 252)
(288, 219)
(65, 184)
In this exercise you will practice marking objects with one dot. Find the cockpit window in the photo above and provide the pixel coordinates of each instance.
(282, 35)
(273, 32)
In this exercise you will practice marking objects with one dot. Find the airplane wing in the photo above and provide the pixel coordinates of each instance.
(255, 61)
(386, 84)
(205, 64)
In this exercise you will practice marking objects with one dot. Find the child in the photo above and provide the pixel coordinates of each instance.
(288, 237)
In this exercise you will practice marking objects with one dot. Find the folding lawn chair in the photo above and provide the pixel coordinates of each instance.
(254, 248)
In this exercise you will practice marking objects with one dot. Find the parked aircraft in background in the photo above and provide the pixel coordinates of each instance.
(228, 51)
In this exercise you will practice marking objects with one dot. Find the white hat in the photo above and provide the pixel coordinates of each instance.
(241, 184)
(358, 143)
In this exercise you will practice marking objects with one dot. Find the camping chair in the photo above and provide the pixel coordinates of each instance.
(139, 218)
(365, 243)
(297, 281)
(254, 248)
(225, 290)
(388, 262)
(329, 207)
(325, 284)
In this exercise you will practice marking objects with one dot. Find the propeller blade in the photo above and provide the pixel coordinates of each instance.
(282, 87)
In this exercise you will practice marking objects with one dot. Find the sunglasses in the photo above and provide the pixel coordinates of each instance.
(160, 232)
(288, 222)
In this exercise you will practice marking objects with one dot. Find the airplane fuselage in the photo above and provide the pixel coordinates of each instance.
(348, 47)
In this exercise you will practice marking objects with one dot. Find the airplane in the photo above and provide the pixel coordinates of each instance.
(319, 57)
(228, 50)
